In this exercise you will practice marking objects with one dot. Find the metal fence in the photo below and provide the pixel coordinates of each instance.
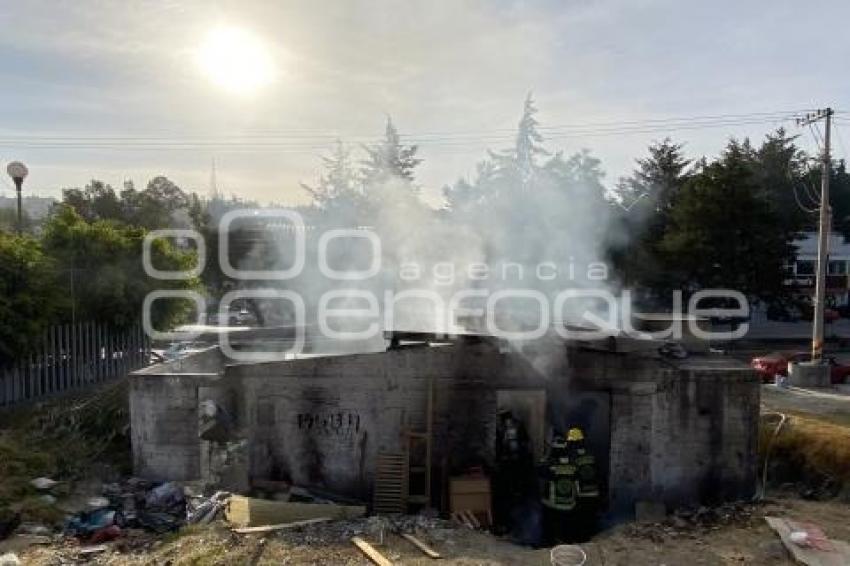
(73, 357)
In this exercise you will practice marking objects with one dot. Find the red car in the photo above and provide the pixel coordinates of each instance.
(777, 364)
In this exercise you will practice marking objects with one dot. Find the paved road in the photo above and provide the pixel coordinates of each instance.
(803, 330)
(830, 404)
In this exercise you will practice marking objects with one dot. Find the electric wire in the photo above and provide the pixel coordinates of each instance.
(287, 141)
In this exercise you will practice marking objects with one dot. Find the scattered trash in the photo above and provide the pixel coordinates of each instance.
(110, 532)
(808, 544)
(800, 538)
(567, 555)
(168, 498)
(9, 559)
(208, 510)
(34, 529)
(47, 498)
(43, 484)
(97, 502)
(85, 524)
(86, 550)
(158, 522)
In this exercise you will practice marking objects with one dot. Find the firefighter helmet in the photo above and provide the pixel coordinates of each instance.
(575, 435)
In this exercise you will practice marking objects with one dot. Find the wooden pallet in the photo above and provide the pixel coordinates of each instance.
(390, 495)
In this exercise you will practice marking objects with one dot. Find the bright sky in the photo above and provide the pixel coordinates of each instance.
(151, 88)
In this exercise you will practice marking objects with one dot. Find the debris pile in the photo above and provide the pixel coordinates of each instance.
(686, 522)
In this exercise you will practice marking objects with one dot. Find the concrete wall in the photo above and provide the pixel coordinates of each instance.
(681, 433)
(673, 433)
(323, 421)
(164, 416)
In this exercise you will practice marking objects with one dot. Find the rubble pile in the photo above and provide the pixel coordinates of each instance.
(687, 522)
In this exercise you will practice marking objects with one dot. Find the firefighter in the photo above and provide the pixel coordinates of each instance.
(587, 486)
(515, 466)
(559, 497)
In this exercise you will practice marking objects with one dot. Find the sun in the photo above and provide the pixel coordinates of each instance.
(236, 60)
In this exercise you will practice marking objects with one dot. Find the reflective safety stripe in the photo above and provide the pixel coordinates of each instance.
(588, 491)
(586, 460)
(561, 489)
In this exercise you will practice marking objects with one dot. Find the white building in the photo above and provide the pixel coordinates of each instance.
(802, 271)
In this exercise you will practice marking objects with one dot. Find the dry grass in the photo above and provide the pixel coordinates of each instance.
(59, 439)
(811, 445)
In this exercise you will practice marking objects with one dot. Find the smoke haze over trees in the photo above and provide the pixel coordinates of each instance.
(678, 222)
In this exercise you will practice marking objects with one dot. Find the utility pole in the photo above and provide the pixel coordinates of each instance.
(823, 232)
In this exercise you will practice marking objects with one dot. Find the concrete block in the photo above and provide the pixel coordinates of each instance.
(808, 374)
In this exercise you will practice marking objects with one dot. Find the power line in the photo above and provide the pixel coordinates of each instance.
(307, 139)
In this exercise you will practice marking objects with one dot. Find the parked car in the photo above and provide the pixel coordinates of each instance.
(829, 315)
(776, 363)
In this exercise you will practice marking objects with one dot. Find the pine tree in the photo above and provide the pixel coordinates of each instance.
(389, 159)
(339, 181)
(724, 232)
(520, 162)
(662, 174)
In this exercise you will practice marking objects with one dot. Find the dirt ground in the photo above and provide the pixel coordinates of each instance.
(745, 540)
(739, 537)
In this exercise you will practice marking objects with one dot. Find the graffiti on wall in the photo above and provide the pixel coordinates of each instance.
(331, 423)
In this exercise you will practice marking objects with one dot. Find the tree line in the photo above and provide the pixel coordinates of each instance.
(676, 222)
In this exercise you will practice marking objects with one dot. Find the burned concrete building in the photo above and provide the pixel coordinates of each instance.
(681, 432)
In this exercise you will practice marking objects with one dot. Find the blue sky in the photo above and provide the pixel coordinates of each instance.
(451, 73)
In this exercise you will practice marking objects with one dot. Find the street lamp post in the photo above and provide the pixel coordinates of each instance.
(18, 172)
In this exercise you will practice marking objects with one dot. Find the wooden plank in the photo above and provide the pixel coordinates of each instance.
(371, 552)
(250, 512)
(426, 550)
(281, 526)
(837, 553)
